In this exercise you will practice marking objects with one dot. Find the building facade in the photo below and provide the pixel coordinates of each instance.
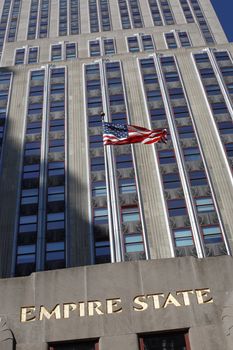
(68, 203)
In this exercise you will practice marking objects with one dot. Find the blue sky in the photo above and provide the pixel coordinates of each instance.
(224, 10)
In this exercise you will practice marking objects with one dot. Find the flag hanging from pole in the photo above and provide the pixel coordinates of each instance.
(122, 134)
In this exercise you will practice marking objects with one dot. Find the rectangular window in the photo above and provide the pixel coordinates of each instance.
(184, 39)
(229, 149)
(198, 178)
(81, 345)
(134, 243)
(71, 51)
(130, 214)
(219, 108)
(165, 341)
(109, 46)
(155, 12)
(100, 216)
(204, 205)
(102, 255)
(33, 55)
(225, 128)
(94, 47)
(176, 207)
(212, 234)
(56, 52)
(183, 237)
(127, 185)
(170, 40)
(124, 161)
(171, 180)
(19, 56)
(133, 44)
(191, 153)
(147, 42)
(166, 157)
(99, 189)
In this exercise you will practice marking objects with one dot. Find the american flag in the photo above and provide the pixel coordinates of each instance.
(118, 134)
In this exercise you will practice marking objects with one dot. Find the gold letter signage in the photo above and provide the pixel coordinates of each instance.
(140, 303)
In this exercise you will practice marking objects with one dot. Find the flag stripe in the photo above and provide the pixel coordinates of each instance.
(118, 134)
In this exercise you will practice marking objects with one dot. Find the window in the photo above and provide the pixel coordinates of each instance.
(184, 39)
(183, 237)
(124, 161)
(96, 141)
(57, 106)
(227, 71)
(26, 254)
(44, 18)
(102, 253)
(56, 52)
(212, 234)
(166, 11)
(155, 13)
(127, 185)
(100, 216)
(133, 44)
(19, 56)
(219, 108)
(166, 157)
(181, 111)
(222, 56)
(225, 128)
(99, 188)
(29, 196)
(158, 114)
(165, 341)
(204, 205)
(170, 40)
(191, 153)
(94, 47)
(186, 132)
(198, 178)
(176, 93)
(176, 207)
(109, 47)
(230, 87)
(167, 61)
(229, 149)
(207, 73)
(33, 19)
(147, 43)
(71, 51)
(171, 76)
(56, 221)
(171, 180)
(56, 168)
(56, 193)
(56, 145)
(201, 57)
(154, 95)
(33, 55)
(55, 251)
(97, 163)
(74, 17)
(81, 345)
(187, 11)
(213, 90)
(130, 214)
(13, 20)
(124, 13)
(134, 243)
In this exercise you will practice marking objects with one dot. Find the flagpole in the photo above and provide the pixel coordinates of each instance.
(109, 203)
(110, 166)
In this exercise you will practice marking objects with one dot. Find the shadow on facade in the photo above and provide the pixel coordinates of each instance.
(48, 244)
